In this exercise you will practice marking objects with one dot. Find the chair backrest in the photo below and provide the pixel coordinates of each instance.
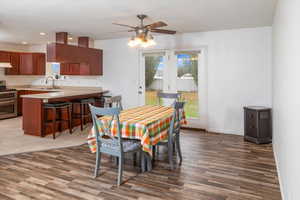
(114, 101)
(101, 128)
(178, 106)
(164, 95)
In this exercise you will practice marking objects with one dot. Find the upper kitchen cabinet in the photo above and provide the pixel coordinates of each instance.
(26, 63)
(75, 60)
(4, 56)
(15, 63)
(39, 63)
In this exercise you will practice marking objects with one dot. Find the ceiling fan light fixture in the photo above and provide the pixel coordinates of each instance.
(143, 38)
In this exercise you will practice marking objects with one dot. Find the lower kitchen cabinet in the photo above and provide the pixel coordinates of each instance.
(25, 92)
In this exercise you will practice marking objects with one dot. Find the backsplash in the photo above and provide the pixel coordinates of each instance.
(82, 81)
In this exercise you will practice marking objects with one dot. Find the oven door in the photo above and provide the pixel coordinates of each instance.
(8, 106)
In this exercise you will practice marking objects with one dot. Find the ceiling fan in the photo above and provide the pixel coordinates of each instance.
(143, 36)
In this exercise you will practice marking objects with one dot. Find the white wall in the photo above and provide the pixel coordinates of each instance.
(286, 96)
(239, 71)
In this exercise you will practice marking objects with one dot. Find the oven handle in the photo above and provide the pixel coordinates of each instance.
(7, 102)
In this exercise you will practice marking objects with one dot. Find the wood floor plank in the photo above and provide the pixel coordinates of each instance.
(215, 167)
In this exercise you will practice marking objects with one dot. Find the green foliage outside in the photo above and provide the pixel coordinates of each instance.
(151, 63)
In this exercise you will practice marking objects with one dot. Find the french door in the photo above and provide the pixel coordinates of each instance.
(171, 71)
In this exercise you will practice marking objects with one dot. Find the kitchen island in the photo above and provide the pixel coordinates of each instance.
(33, 111)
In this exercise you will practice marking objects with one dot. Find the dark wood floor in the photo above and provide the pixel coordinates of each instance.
(215, 167)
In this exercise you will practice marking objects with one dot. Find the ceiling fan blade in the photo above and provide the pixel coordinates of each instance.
(156, 25)
(124, 25)
(162, 31)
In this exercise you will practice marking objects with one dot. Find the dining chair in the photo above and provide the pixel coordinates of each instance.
(164, 95)
(173, 135)
(179, 106)
(114, 146)
(113, 101)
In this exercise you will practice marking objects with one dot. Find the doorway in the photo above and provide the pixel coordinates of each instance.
(182, 71)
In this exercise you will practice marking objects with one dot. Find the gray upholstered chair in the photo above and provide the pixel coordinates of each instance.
(173, 141)
(164, 95)
(114, 146)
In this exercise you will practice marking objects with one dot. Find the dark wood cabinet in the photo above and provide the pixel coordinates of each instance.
(25, 92)
(15, 63)
(258, 124)
(26, 64)
(83, 69)
(90, 60)
(32, 64)
(4, 56)
(39, 63)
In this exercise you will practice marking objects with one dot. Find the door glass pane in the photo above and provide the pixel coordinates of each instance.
(187, 82)
(154, 73)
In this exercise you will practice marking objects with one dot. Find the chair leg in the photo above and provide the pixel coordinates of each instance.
(170, 154)
(142, 158)
(178, 148)
(116, 160)
(153, 154)
(70, 119)
(120, 174)
(45, 124)
(97, 166)
(149, 162)
(174, 148)
(134, 158)
(81, 117)
(54, 122)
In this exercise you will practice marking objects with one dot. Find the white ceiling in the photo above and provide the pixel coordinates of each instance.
(23, 20)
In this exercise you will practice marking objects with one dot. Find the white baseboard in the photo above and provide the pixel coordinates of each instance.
(234, 132)
(278, 173)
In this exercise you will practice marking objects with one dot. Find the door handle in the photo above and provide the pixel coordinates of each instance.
(140, 90)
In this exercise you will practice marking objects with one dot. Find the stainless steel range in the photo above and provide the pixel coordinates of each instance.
(8, 102)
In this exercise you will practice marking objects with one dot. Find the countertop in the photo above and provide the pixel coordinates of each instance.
(61, 92)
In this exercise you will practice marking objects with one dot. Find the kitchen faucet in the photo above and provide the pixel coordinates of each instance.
(53, 81)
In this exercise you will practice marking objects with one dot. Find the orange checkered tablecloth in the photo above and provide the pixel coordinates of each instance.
(149, 124)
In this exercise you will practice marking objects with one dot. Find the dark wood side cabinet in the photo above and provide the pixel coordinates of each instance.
(258, 124)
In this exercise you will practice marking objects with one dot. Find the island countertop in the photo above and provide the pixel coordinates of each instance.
(63, 92)
(34, 114)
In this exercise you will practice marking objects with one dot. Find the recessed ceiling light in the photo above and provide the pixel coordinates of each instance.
(24, 42)
(70, 38)
(42, 33)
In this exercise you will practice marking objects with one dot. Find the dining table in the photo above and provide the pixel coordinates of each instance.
(149, 124)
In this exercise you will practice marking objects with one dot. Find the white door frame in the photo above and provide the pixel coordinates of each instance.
(202, 78)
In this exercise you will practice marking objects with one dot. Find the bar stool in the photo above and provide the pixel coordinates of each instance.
(84, 112)
(57, 109)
